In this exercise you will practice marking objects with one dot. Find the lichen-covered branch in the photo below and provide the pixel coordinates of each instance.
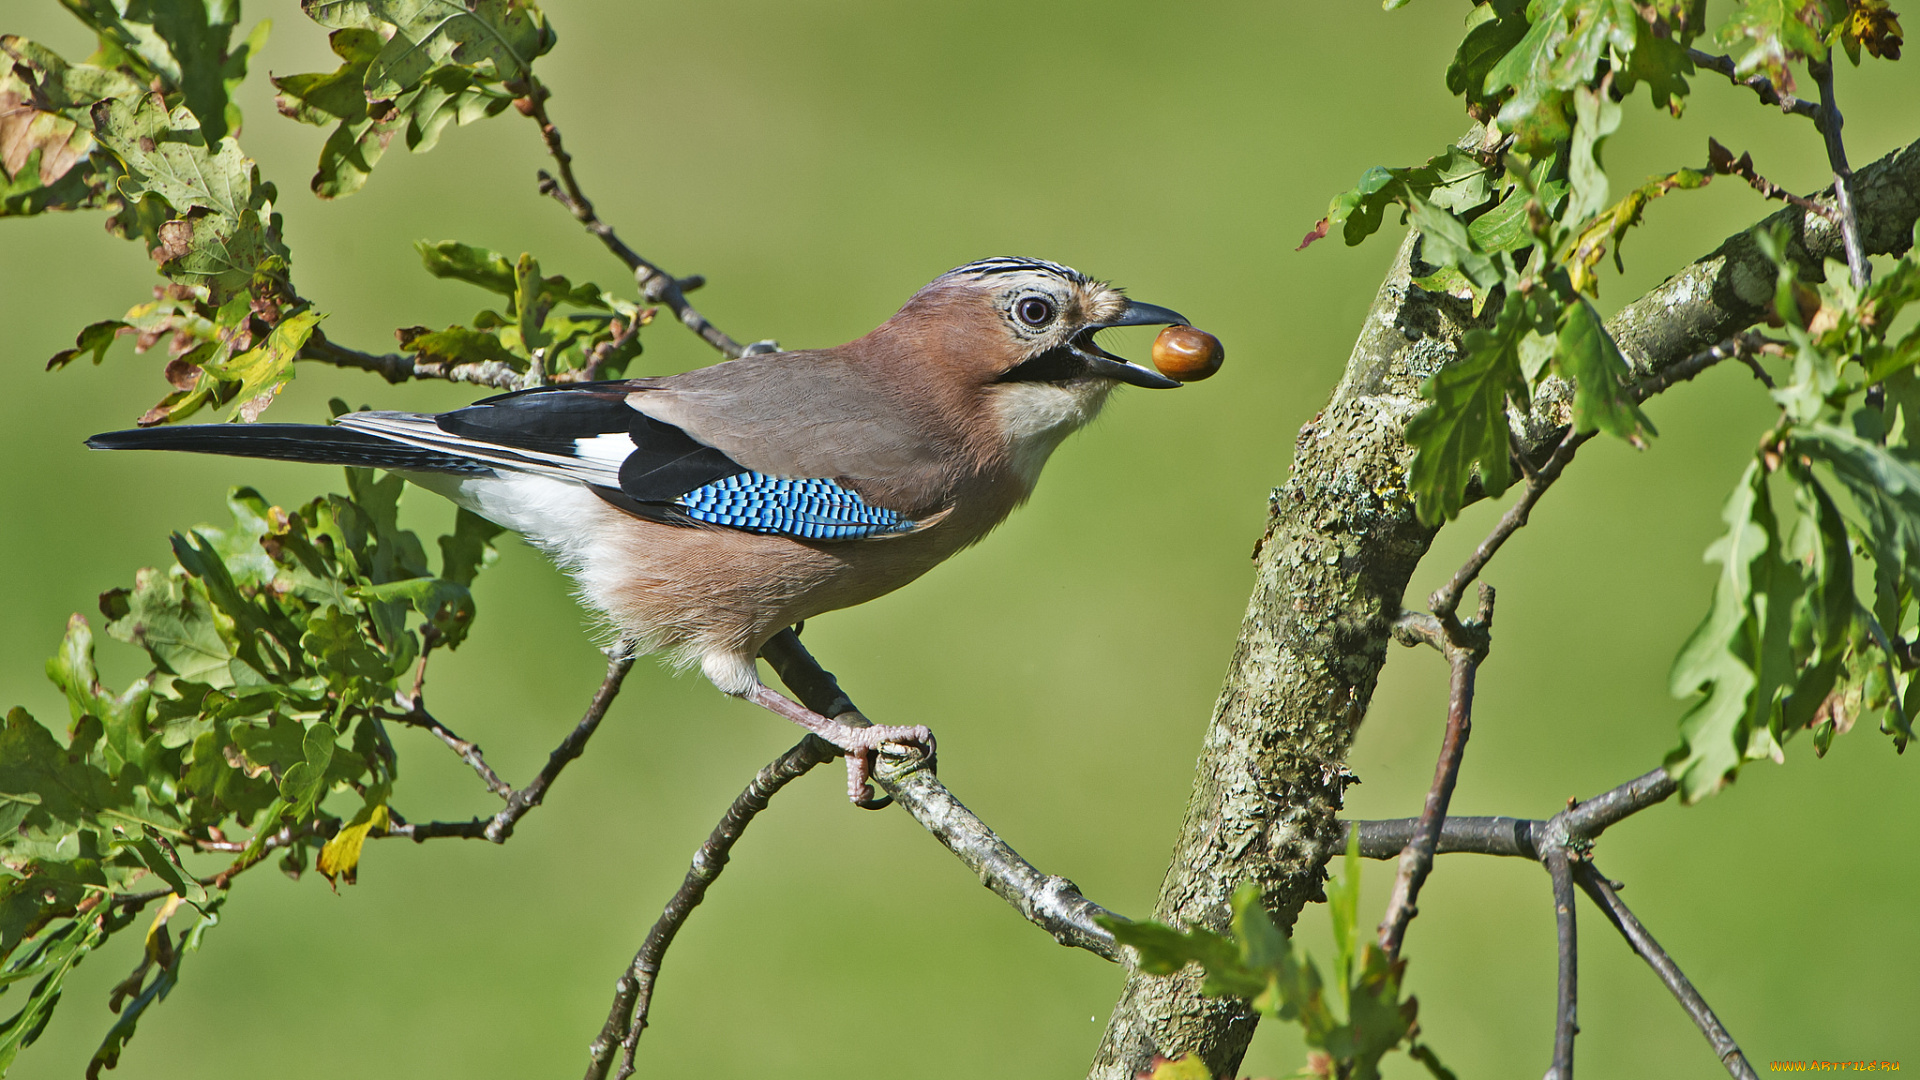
(1329, 576)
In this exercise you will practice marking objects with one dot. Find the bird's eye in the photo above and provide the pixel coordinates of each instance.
(1034, 311)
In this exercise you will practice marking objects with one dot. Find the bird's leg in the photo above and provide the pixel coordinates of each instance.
(860, 743)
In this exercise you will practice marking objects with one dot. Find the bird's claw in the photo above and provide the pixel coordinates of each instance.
(862, 747)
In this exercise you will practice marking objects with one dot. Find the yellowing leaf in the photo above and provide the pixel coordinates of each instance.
(340, 858)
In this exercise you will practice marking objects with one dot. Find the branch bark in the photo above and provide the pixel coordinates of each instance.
(1330, 573)
(633, 993)
(1601, 892)
(1052, 903)
(1416, 859)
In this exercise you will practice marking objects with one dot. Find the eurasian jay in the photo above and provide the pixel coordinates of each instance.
(702, 513)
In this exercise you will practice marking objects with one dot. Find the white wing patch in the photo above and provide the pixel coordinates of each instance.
(610, 449)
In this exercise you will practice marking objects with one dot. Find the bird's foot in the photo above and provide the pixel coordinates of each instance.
(860, 744)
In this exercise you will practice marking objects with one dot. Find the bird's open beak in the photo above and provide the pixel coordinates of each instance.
(1118, 367)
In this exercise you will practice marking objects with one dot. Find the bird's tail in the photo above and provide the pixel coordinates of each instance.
(291, 442)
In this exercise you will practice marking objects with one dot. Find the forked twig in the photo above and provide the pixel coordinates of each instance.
(499, 826)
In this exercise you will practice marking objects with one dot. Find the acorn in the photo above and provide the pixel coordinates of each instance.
(1187, 354)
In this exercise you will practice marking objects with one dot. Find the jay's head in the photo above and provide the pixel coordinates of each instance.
(1004, 321)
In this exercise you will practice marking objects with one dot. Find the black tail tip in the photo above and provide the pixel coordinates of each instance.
(111, 440)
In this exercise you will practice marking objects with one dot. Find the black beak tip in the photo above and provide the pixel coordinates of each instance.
(1139, 314)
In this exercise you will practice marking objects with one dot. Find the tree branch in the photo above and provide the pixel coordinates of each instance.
(1566, 1020)
(1601, 892)
(1581, 822)
(633, 993)
(519, 802)
(1759, 83)
(1830, 122)
(1416, 859)
(399, 367)
(655, 284)
(1052, 903)
(1330, 577)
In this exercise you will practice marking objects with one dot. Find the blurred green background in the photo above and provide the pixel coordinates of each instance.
(818, 161)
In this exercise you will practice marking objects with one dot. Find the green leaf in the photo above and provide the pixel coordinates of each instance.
(305, 782)
(160, 858)
(498, 38)
(1446, 242)
(108, 1055)
(324, 98)
(57, 956)
(1586, 355)
(469, 549)
(169, 616)
(1768, 36)
(1464, 427)
(490, 270)
(1494, 29)
(1454, 179)
(167, 153)
(459, 345)
(1596, 116)
(1505, 227)
(529, 304)
(1717, 660)
(94, 339)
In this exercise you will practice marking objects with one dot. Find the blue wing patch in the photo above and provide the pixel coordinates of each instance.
(809, 509)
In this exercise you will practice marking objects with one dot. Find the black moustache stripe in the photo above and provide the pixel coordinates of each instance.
(1058, 364)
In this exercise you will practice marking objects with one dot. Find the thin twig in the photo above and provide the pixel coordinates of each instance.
(418, 716)
(1830, 122)
(655, 284)
(1758, 83)
(633, 993)
(399, 367)
(1566, 1019)
(1721, 160)
(1600, 891)
(1747, 343)
(1416, 859)
(1446, 599)
(1052, 903)
(519, 802)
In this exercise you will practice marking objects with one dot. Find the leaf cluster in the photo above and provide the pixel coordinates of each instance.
(409, 68)
(281, 645)
(1814, 613)
(597, 339)
(1521, 220)
(1348, 1029)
